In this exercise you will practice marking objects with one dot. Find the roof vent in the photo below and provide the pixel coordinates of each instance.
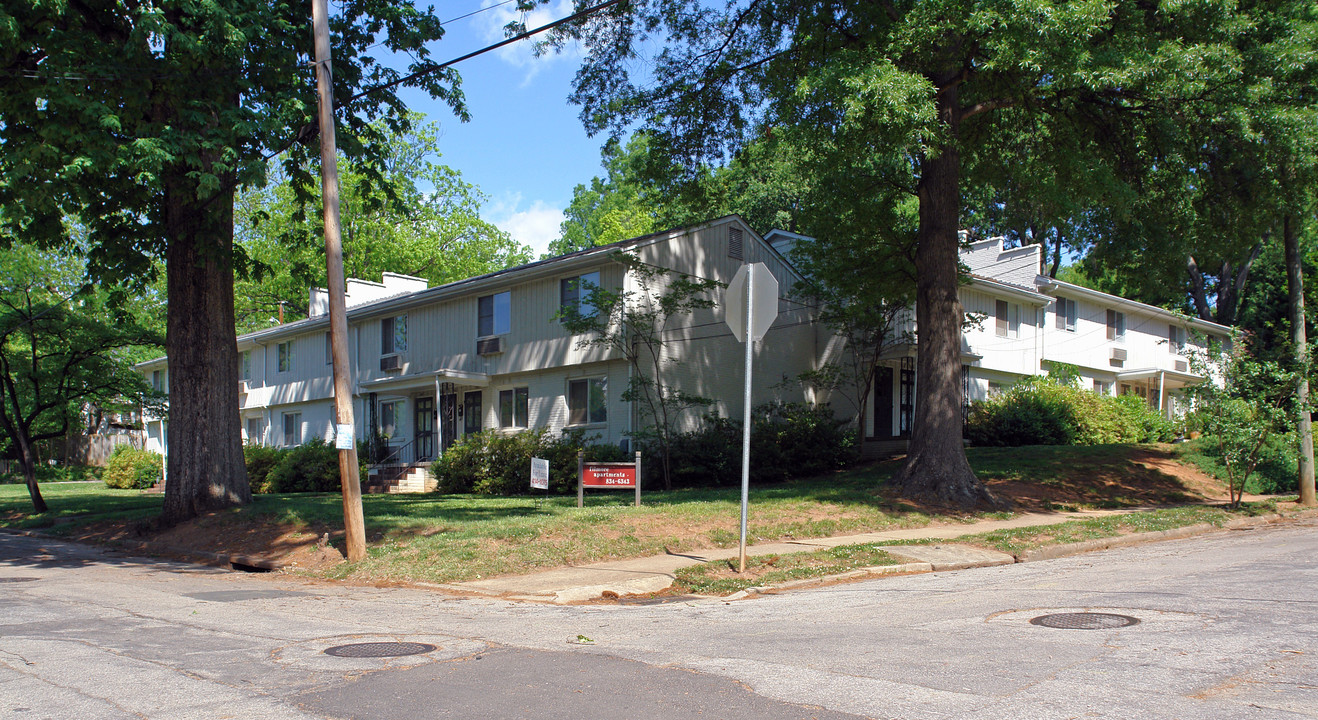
(735, 249)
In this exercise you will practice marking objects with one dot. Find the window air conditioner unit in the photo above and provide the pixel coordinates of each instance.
(1182, 366)
(489, 346)
(391, 362)
(1119, 354)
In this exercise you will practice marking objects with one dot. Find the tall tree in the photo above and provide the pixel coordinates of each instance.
(143, 118)
(419, 218)
(894, 95)
(62, 348)
(615, 207)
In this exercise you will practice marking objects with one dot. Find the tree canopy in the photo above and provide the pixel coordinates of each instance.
(144, 118)
(419, 218)
(905, 103)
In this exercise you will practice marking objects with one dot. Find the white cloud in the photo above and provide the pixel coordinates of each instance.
(537, 225)
(521, 55)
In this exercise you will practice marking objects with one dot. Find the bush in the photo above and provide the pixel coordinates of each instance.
(1039, 411)
(310, 467)
(788, 440)
(260, 460)
(495, 463)
(130, 468)
(1277, 472)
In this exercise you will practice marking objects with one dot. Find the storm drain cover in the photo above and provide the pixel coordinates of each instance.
(1085, 621)
(379, 649)
(17, 579)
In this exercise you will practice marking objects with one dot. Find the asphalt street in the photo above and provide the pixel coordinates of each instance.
(1227, 627)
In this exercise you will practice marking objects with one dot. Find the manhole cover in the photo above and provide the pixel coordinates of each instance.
(1085, 621)
(379, 649)
(17, 579)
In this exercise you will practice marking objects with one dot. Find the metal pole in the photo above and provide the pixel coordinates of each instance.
(353, 521)
(581, 491)
(638, 478)
(746, 421)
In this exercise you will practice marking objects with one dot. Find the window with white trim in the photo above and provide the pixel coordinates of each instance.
(574, 292)
(1175, 339)
(1116, 325)
(1065, 309)
(494, 314)
(587, 401)
(393, 335)
(245, 365)
(513, 407)
(1007, 319)
(284, 353)
(292, 429)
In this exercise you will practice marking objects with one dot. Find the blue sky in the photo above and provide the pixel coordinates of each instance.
(524, 146)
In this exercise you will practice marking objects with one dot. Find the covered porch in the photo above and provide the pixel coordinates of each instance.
(410, 420)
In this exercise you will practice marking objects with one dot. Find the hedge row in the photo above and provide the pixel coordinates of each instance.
(310, 467)
(1042, 411)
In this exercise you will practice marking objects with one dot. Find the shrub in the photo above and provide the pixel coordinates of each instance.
(1039, 411)
(788, 440)
(495, 463)
(130, 468)
(310, 467)
(260, 460)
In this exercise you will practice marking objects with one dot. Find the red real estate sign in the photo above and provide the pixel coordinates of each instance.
(608, 475)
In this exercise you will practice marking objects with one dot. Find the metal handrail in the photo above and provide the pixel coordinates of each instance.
(404, 454)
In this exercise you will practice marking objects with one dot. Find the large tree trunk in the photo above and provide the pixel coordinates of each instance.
(936, 468)
(1299, 338)
(205, 466)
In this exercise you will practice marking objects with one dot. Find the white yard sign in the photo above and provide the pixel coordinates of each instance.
(540, 473)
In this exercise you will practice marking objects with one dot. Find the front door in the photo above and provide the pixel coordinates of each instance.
(471, 413)
(448, 420)
(425, 429)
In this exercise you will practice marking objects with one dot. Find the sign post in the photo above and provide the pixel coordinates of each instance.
(752, 306)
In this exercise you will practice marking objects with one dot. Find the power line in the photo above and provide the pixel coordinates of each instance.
(520, 36)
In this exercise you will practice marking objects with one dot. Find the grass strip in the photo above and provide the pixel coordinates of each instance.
(722, 578)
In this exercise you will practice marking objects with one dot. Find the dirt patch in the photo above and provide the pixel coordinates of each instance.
(286, 544)
(1130, 477)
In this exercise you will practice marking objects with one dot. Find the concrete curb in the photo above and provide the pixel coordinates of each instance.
(1059, 551)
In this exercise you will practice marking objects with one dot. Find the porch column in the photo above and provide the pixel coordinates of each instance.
(1162, 377)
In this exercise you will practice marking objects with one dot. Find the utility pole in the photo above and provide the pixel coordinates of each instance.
(354, 523)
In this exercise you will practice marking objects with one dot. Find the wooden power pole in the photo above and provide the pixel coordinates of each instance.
(353, 521)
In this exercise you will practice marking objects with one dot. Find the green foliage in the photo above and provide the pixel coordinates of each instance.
(496, 463)
(310, 467)
(1040, 411)
(618, 206)
(130, 468)
(1253, 405)
(788, 440)
(1275, 473)
(260, 460)
(416, 218)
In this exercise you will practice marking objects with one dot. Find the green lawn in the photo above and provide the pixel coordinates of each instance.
(448, 538)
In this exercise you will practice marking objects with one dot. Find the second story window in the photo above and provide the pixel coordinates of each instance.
(1066, 312)
(1175, 339)
(284, 352)
(1007, 319)
(494, 314)
(574, 292)
(393, 335)
(245, 365)
(159, 382)
(1116, 325)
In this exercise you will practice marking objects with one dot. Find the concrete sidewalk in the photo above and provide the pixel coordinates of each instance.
(653, 574)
